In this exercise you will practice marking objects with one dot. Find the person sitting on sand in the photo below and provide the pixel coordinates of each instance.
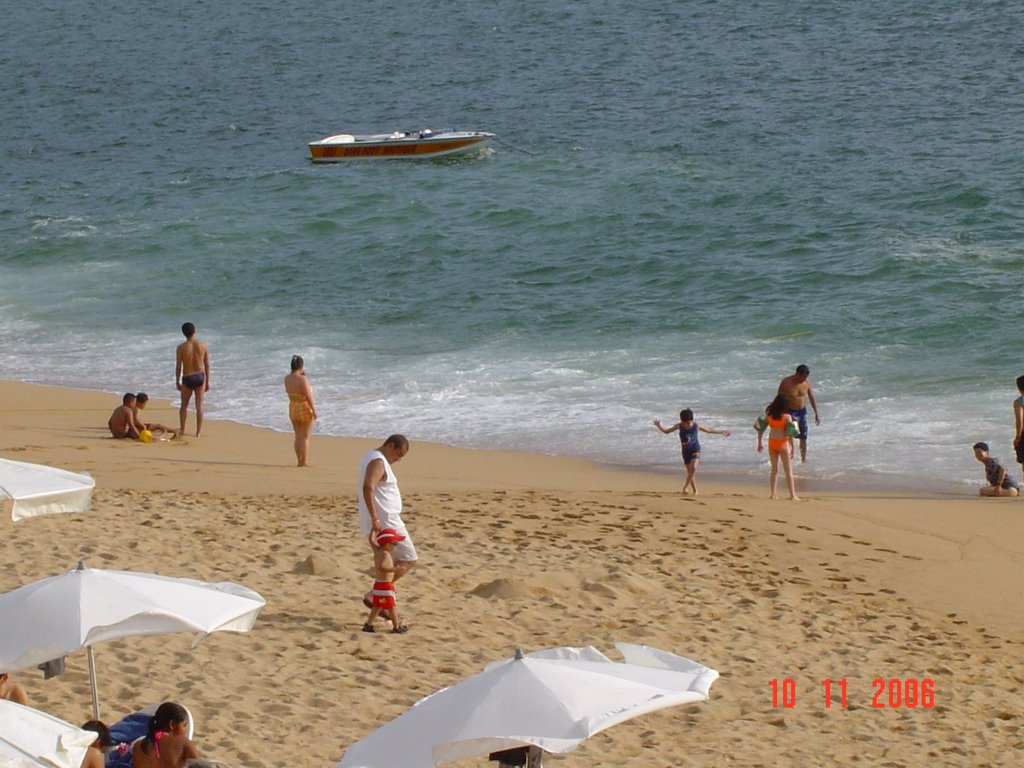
(12, 690)
(689, 438)
(384, 587)
(123, 422)
(95, 755)
(781, 430)
(158, 430)
(999, 482)
(166, 743)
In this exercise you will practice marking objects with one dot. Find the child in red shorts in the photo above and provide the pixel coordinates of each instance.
(384, 587)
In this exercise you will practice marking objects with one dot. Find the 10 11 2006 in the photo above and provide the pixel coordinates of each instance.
(887, 693)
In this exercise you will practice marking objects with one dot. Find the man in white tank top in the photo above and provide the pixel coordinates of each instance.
(380, 502)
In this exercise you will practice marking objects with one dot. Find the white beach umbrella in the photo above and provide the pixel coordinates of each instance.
(36, 489)
(33, 739)
(551, 700)
(62, 614)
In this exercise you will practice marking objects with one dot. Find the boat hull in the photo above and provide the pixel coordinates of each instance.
(414, 145)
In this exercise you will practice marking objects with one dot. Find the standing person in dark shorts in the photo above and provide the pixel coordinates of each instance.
(192, 375)
(689, 439)
(797, 391)
(1018, 425)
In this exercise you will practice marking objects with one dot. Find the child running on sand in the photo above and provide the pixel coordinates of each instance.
(781, 431)
(688, 437)
(384, 587)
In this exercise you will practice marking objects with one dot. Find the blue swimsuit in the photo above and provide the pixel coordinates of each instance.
(691, 442)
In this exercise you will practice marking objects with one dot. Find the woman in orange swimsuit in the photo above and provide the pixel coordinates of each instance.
(781, 429)
(301, 408)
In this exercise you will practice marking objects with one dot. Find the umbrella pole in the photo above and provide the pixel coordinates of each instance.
(92, 683)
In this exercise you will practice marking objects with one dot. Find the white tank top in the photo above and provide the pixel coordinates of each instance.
(386, 497)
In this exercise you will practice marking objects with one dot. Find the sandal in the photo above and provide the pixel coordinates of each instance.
(400, 629)
(368, 628)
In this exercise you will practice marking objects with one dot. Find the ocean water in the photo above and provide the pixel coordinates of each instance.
(685, 201)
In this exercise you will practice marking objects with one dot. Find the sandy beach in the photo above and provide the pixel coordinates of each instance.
(530, 551)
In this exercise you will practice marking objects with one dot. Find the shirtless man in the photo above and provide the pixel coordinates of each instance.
(797, 390)
(192, 375)
(1018, 425)
(12, 690)
(123, 421)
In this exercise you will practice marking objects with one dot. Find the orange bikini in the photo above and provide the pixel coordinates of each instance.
(777, 443)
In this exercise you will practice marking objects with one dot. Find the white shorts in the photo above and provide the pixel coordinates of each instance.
(404, 551)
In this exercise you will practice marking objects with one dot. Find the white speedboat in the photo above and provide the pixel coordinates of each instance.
(385, 146)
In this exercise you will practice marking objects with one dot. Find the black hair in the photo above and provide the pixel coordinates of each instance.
(982, 446)
(166, 714)
(1020, 383)
(297, 362)
(142, 397)
(189, 330)
(803, 369)
(686, 415)
(128, 396)
(777, 407)
(101, 729)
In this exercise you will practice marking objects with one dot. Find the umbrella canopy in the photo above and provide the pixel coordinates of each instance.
(50, 618)
(33, 739)
(37, 489)
(551, 699)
